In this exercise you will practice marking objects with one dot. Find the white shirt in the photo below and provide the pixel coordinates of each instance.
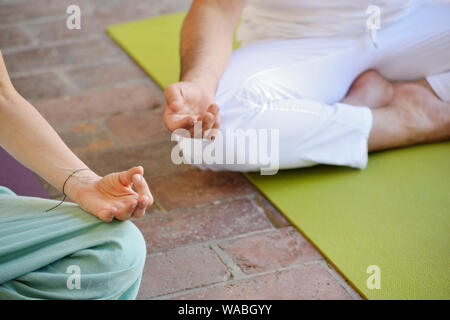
(284, 19)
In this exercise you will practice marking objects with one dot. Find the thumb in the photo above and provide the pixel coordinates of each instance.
(174, 98)
(126, 177)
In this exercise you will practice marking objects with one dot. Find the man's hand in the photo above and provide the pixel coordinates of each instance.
(205, 49)
(111, 196)
(187, 102)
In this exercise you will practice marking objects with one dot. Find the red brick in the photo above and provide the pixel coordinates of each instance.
(12, 36)
(188, 226)
(125, 10)
(137, 127)
(86, 136)
(90, 61)
(270, 250)
(196, 186)
(98, 104)
(47, 32)
(82, 52)
(26, 11)
(272, 213)
(153, 156)
(310, 282)
(40, 86)
(180, 269)
(106, 74)
(106, 13)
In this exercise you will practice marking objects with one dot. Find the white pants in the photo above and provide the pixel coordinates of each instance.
(296, 85)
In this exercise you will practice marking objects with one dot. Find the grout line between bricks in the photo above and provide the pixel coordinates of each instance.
(120, 84)
(49, 18)
(156, 202)
(65, 70)
(341, 280)
(5, 2)
(68, 67)
(27, 33)
(71, 87)
(208, 243)
(105, 127)
(233, 268)
(61, 72)
(261, 209)
(87, 10)
(214, 202)
(54, 44)
(238, 274)
(218, 284)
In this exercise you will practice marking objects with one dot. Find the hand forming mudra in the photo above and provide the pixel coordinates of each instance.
(112, 196)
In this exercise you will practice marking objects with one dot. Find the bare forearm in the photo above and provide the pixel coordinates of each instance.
(28, 137)
(207, 40)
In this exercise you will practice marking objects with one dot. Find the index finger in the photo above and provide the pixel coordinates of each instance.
(142, 188)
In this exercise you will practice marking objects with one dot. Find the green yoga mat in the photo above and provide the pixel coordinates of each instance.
(394, 215)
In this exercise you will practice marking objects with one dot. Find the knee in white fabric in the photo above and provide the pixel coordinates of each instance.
(240, 145)
(232, 150)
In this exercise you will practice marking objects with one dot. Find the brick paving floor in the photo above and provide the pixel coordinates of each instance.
(210, 235)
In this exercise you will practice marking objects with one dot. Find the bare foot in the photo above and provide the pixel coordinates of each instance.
(414, 115)
(424, 83)
(423, 111)
(371, 90)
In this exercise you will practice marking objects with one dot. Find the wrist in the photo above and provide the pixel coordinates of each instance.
(207, 83)
(8, 95)
(75, 183)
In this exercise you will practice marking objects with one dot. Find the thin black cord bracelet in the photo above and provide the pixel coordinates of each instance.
(64, 193)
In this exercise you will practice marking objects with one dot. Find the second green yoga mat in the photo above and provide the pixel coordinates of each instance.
(394, 215)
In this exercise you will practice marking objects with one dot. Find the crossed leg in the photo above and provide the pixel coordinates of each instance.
(404, 113)
(40, 251)
(299, 88)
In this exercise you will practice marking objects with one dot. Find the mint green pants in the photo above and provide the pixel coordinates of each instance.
(65, 253)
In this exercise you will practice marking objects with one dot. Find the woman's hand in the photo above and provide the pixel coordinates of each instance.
(111, 196)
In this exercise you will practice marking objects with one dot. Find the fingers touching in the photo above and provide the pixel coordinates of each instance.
(187, 103)
(126, 177)
(131, 204)
(214, 109)
(126, 208)
(145, 198)
(210, 121)
(185, 123)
